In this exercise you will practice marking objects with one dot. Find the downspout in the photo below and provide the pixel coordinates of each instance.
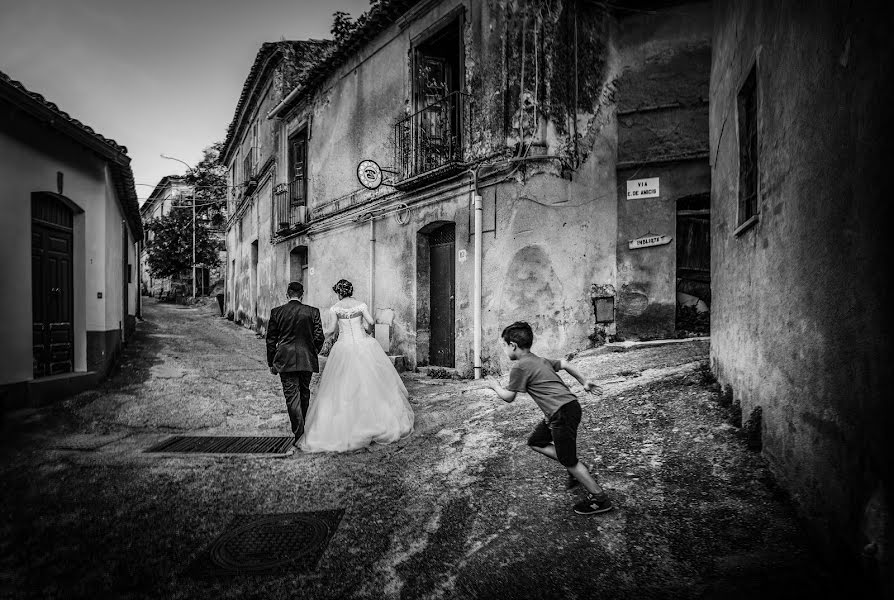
(476, 284)
(372, 266)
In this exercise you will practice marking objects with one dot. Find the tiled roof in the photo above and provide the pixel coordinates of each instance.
(307, 53)
(4, 78)
(380, 16)
(112, 151)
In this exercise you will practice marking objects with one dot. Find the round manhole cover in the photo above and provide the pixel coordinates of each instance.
(269, 542)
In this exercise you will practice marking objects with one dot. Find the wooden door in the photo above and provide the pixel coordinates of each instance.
(52, 287)
(443, 289)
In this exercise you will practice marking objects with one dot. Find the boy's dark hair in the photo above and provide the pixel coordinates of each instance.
(295, 289)
(520, 333)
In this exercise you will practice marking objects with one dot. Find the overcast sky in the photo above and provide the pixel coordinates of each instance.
(157, 76)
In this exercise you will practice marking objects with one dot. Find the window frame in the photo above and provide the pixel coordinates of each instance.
(745, 220)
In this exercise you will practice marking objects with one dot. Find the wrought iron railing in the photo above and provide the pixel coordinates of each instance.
(290, 205)
(433, 137)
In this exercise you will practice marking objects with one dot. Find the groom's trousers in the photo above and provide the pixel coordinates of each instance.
(296, 389)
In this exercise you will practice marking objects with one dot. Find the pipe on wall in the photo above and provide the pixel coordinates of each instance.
(476, 291)
(372, 267)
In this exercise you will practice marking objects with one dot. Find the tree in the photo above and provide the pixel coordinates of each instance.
(209, 181)
(169, 252)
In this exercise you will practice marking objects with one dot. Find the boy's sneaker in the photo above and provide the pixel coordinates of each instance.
(593, 505)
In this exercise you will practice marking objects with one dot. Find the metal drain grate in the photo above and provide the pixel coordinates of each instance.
(224, 445)
(278, 544)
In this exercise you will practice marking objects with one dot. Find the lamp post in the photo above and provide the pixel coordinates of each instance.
(188, 166)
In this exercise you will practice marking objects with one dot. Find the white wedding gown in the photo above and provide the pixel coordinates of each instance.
(361, 398)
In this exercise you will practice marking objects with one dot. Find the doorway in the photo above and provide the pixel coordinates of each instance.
(298, 265)
(52, 285)
(442, 291)
(694, 264)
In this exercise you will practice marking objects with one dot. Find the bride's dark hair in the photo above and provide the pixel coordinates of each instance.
(343, 288)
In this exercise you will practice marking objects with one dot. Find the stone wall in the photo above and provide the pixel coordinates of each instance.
(801, 318)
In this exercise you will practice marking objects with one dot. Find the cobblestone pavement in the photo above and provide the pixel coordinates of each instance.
(461, 509)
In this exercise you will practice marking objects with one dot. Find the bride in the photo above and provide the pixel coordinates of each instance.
(361, 398)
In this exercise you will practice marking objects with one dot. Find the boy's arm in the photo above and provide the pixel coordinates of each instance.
(502, 392)
(589, 386)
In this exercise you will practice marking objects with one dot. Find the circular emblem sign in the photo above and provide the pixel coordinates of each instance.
(370, 174)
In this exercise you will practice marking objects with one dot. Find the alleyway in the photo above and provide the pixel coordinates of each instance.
(459, 510)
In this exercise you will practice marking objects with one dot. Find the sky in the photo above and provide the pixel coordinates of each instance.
(157, 76)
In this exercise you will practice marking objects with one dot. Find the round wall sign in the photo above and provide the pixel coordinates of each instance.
(370, 174)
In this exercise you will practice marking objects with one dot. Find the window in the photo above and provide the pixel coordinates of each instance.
(298, 167)
(290, 200)
(432, 137)
(748, 149)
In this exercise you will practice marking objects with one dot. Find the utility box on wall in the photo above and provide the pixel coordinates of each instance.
(605, 309)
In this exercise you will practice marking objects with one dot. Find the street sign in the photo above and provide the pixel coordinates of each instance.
(649, 240)
(370, 174)
(642, 188)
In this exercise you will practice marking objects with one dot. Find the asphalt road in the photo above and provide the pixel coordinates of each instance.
(461, 509)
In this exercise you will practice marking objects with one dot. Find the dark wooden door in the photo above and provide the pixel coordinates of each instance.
(443, 290)
(52, 287)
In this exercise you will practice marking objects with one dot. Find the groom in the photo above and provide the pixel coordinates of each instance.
(294, 337)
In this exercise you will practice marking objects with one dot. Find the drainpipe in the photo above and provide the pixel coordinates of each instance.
(372, 266)
(476, 285)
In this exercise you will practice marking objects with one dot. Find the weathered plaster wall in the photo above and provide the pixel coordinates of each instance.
(647, 284)
(32, 157)
(801, 321)
(664, 60)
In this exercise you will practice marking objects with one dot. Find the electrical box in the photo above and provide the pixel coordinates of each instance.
(605, 309)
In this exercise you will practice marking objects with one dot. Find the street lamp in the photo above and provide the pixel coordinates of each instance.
(188, 166)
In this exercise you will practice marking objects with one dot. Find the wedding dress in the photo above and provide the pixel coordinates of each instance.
(361, 398)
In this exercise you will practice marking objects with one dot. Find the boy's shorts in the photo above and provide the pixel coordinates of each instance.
(561, 430)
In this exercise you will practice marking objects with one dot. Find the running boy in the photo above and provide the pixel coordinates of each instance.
(555, 436)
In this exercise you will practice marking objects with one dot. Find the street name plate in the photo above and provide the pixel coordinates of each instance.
(651, 240)
(642, 188)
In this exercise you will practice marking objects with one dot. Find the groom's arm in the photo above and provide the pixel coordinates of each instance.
(319, 338)
(272, 337)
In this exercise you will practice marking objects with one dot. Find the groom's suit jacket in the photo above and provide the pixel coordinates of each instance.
(294, 337)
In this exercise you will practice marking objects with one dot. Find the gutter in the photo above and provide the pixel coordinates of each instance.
(274, 113)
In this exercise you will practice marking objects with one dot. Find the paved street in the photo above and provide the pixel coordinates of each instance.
(461, 509)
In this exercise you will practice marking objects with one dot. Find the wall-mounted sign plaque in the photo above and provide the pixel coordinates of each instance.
(370, 174)
(642, 188)
(649, 240)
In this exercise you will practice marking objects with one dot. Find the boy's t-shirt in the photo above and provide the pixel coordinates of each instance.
(538, 378)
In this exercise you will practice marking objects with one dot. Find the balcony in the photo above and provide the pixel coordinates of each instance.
(290, 206)
(249, 168)
(431, 143)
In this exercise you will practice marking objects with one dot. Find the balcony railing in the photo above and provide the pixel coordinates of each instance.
(434, 139)
(290, 206)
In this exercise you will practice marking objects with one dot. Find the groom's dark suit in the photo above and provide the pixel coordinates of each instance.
(294, 337)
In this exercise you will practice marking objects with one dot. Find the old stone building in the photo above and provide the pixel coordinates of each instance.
(523, 118)
(170, 190)
(69, 238)
(801, 327)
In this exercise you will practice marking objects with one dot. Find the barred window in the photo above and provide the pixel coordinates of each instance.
(748, 147)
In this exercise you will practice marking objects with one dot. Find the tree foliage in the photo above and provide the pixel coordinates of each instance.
(209, 181)
(169, 251)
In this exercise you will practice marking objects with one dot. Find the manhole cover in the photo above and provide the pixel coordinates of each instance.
(278, 544)
(224, 444)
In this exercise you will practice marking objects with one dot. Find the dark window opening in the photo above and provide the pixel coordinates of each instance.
(748, 148)
(290, 199)
(433, 136)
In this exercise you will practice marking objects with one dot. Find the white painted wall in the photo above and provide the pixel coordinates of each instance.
(31, 167)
